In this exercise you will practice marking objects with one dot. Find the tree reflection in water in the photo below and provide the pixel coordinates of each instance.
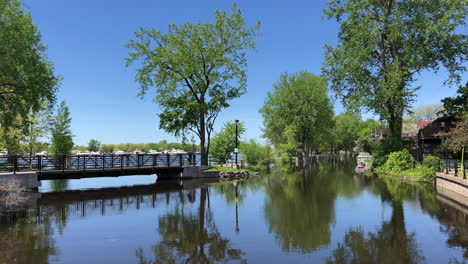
(390, 244)
(300, 205)
(25, 241)
(190, 237)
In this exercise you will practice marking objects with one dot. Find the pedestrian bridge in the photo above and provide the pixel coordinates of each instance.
(104, 165)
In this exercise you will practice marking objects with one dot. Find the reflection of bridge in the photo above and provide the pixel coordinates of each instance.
(81, 166)
(85, 202)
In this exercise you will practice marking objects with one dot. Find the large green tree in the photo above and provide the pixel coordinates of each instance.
(26, 75)
(37, 122)
(94, 145)
(456, 106)
(298, 112)
(346, 131)
(196, 70)
(61, 135)
(384, 44)
(224, 142)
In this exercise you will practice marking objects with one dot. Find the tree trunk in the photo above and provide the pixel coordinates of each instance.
(396, 124)
(204, 156)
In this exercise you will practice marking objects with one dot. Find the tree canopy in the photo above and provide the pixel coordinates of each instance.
(298, 112)
(61, 135)
(94, 145)
(26, 75)
(383, 45)
(196, 70)
(348, 125)
(224, 142)
(456, 106)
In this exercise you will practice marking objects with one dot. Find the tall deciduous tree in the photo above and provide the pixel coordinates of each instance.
(26, 75)
(384, 44)
(456, 106)
(298, 112)
(61, 135)
(224, 142)
(457, 138)
(346, 131)
(196, 70)
(93, 145)
(37, 122)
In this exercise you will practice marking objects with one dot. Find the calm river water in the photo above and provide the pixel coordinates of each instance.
(324, 214)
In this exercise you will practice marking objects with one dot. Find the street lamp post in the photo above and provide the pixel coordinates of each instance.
(236, 150)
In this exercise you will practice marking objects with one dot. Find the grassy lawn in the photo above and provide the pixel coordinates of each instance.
(418, 174)
(224, 169)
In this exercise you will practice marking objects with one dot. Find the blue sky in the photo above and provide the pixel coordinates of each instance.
(86, 40)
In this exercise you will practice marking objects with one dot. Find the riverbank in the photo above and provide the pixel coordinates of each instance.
(422, 175)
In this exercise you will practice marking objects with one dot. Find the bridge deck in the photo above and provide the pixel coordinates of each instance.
(75, 167)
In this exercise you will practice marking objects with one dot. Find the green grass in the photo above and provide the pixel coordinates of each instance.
(224, 169)
(418, 174)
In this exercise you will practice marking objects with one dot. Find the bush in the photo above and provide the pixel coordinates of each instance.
(382, 150)
(385, 147)
(399, 161)
(427, 174)
(255, 154)
(431, 162)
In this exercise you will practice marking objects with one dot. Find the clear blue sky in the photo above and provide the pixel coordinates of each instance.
(86, 40)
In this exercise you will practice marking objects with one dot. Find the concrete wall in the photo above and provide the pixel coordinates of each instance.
(454, 184)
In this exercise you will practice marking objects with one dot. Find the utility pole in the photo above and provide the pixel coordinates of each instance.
(236, 150)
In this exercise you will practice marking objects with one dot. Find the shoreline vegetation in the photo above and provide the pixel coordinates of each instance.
(11, 196)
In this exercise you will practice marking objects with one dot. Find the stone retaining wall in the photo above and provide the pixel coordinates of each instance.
(455, 184)
(27, 180)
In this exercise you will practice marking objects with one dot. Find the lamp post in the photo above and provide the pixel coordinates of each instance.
(236, 150)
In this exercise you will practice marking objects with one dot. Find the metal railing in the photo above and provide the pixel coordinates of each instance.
(77, 163)
(453, 167)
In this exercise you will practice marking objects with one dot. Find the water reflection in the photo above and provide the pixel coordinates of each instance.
(25, 241)
(289, 215)
(191, 237)
(300, 205)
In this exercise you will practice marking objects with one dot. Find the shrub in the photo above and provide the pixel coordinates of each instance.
(255, 154)
(382, 151)
(427, 174)
(399, 161)
(431, 162)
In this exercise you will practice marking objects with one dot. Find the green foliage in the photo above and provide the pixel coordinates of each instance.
(224, 142)
(298, 112)
(421, 174)
(457, 138)
(346, 131)
(287, 153)
(80, 148)
(382, 151)
(255, 154)
(383, 45)
(61, 135)
(107, 148)
(431, 162)
(399, 161)
(456, 106)
(196, 69)
(13, 135)
(94, 145)
(418, 174)
(36, 127)
(26, 76)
